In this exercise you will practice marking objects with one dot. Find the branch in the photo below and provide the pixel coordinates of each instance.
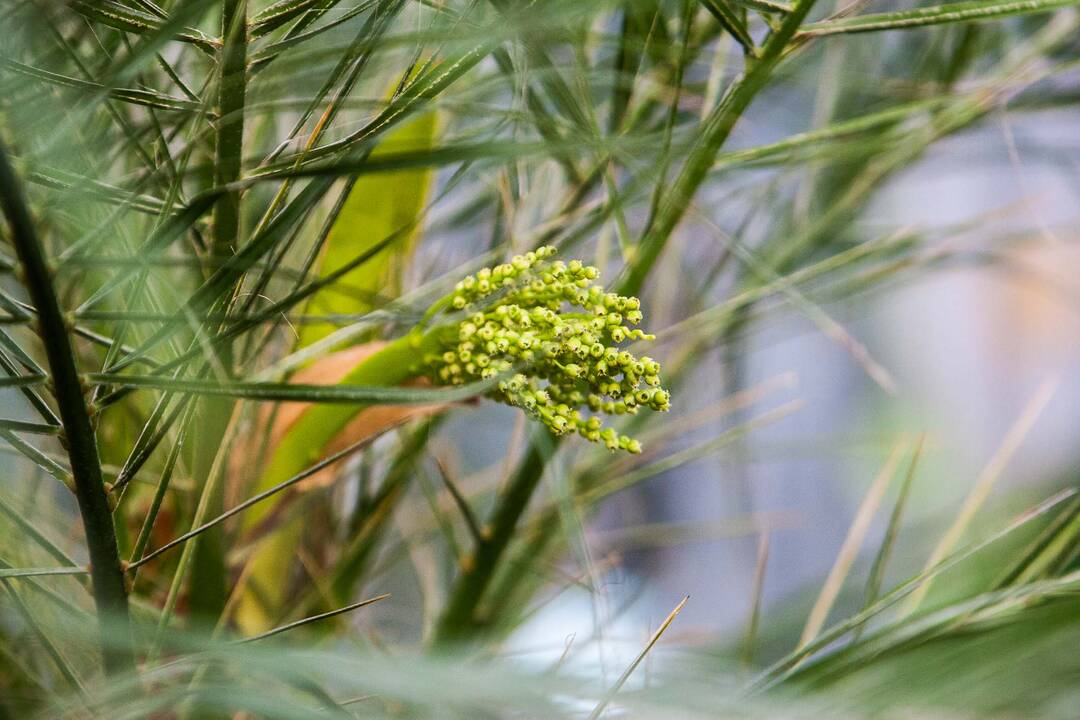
(106, 572)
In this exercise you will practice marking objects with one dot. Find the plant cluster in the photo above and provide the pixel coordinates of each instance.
(565, 334)
(198, 197)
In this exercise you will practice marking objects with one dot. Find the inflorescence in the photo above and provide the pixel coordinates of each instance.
(563, 333)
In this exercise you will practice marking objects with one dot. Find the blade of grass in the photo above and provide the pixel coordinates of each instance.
(756, 595)
(971, 10)
(860, 525)
(842, 131)
(67, 671)
(297, 34)
(877, 570)
(638, 22)
(274, 16)
(39, 458)
(714, 134)
(830, 327)
(138, 552)
(732, 23)
(978, 494)
(461, 502)
(782, 668)
(27, 528)
(113, 14)
(206, 496)
(959, 617)
(602, 705)
(1052, 547)
(345, 393)
(681, 457)
(30, 427)
(6, 573)
(254, 500)
(764, 5)
(62, 601)
(314, 618)
(134, 96)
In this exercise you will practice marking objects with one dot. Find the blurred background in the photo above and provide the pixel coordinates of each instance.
(979, 342)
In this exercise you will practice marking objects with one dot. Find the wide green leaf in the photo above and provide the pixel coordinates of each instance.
(377, 207)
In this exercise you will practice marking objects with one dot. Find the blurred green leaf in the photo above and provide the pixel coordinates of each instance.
(378, 206)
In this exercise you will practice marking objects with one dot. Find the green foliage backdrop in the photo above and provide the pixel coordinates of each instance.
(215, 211)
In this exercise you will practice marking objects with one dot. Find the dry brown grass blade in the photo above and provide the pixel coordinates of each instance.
(986, 481)
(598, 711)
(849, 550)
(757, 594)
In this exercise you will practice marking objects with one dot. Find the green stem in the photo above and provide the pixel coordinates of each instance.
(208, 597)
(106, 571)
(232, 89)
(459, 621)
(718, 127)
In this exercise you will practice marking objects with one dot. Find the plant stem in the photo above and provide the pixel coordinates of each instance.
(208, 598)
(106, 572)
(232, 89)
(458, 620)
(717, 128)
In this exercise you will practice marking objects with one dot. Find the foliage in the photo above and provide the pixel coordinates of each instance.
(204, 503)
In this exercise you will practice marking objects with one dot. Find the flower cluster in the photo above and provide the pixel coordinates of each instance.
(562, 332)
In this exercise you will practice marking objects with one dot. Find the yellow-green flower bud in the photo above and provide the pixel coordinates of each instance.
(573, 371)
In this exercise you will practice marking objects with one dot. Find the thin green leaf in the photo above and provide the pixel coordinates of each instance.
(6, 573)
(73, 184)
(29, 427)
(27, 528)
(149, 98)
(732, 22)
(843, 131)
(784, 667)
(881, 559)
(599, 709)
(281, 12)
(113, 14)
(22, 381)
(286, 392)
(764, 5)
(845, 558)
(969, 11)
(314, 618)
(39, 458)
(252, 501)
(58, 658)
(264, 55)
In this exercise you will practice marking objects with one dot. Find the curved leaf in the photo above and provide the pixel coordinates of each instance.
(377, 207)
